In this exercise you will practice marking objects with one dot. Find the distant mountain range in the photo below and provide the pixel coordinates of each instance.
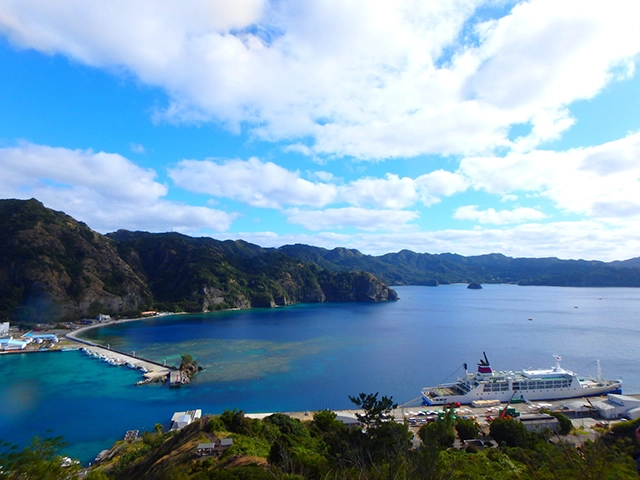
(53, 268)
(410, 268)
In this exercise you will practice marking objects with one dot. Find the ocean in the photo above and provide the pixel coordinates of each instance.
(311, 357)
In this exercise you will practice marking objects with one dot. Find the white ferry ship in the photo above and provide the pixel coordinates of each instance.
(552, 384)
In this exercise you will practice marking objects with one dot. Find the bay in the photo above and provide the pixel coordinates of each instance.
(310, 357)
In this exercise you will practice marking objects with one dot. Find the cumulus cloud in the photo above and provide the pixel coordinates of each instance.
(369, 79)
(389, 192)
(600, 181)
(440, 183)
(497, 217)
(359, 218)
(267, 185)
(261, 184)
(105, 190)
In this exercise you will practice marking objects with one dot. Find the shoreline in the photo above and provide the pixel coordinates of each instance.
(72, 334)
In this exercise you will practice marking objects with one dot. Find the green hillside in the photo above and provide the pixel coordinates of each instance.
(54, 268)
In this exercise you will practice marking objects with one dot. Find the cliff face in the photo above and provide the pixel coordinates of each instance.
(203, 274)
(54, 268)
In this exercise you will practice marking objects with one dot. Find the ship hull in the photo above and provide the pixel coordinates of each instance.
(429, 399)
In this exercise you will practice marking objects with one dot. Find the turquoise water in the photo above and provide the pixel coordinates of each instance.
(310, 357)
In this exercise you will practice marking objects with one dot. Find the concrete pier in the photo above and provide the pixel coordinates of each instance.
(155, 370)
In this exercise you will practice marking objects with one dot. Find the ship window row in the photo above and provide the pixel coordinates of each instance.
(538, 384)
(496, 387)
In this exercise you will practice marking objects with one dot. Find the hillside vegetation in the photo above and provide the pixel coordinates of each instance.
(322, 447)
(410, 268)
(53, 268)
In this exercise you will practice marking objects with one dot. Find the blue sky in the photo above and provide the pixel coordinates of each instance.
(447, 126)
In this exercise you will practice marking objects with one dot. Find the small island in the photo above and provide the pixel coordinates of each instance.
(474, 286)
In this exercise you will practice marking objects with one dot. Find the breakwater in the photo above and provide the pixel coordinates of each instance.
(151, 370)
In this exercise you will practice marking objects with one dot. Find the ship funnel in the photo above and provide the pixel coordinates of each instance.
(484, 366)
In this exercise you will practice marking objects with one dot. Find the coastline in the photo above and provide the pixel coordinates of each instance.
(73, 334)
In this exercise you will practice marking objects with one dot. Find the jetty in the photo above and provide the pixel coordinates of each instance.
(152, 371)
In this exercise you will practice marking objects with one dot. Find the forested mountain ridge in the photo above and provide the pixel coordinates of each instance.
(53, 268)
(410, 268)
(203, 273)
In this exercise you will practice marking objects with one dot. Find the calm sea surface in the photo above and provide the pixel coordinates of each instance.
(311, 357)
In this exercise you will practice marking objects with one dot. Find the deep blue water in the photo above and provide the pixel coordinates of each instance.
(310, 357)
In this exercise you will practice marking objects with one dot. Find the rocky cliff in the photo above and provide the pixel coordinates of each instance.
(203, 274)
(53, 267)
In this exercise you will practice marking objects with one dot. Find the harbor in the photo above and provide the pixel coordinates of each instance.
(304, 359)
(152, 371)
(57, 340)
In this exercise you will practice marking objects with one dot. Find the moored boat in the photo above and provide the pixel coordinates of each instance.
(526, 385)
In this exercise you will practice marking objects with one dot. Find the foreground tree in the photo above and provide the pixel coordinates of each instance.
(467, 429)
(39, 460)
(439, 434)
(375, 411)
(509, 431)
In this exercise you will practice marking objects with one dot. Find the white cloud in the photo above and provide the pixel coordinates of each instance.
(600, 182)
(397, 192)
(137, 148)
(261, 184)
(322, 175)
(105, 190)
(371, 79)
(267, 185)
(389, 192)
(440, 183)
(359, 218)
(497, 217)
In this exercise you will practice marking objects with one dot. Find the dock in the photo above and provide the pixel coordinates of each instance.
(152, 371)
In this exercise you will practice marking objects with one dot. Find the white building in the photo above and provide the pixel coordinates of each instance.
(41, 337)
(10, 344)
(4, 329)
(616, 406)
(182, 419)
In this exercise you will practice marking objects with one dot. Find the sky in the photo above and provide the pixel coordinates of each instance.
(461, 126)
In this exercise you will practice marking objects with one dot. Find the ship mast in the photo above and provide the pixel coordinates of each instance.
(599, 370)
